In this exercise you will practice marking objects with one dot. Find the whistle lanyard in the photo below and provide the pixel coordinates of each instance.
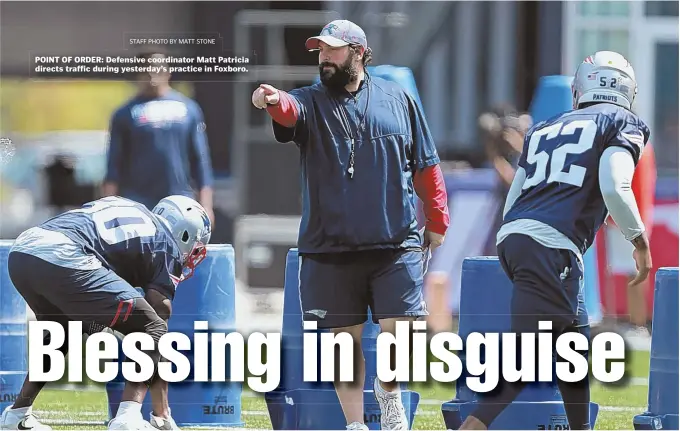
(362, 124)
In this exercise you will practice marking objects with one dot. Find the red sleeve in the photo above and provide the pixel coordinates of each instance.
(285, 112)
(430, 187)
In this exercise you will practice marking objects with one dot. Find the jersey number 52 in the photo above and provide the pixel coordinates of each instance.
(557, 156)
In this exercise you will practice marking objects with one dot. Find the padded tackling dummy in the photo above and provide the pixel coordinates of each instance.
(486, 294)
(13, 334)
(662, 398)
(207, 296)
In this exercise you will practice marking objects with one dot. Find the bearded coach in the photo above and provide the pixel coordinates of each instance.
(366, 153)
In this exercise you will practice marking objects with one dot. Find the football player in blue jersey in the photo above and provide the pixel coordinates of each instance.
(574, 169)
(84, 265)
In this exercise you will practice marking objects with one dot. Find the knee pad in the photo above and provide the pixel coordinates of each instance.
(156, 328)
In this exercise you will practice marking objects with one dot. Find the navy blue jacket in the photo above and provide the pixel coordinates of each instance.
(376, 208)
(158, 148)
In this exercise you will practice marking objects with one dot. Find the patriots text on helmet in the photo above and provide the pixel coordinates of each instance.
(605, 98)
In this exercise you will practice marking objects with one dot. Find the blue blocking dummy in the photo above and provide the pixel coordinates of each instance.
(662, 399)
(486, 294)
(301, 405)
(207, 296)
(553, 97)
(13, 335)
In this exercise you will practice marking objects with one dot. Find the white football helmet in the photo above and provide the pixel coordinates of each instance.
(190, 226)
(605, 76)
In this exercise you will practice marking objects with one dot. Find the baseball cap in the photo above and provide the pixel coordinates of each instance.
(338, 33)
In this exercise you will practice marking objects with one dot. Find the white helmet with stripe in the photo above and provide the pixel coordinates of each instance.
(190, 226)
(604, 77)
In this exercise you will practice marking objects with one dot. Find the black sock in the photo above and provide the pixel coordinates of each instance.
(576, 398)
(490, 406)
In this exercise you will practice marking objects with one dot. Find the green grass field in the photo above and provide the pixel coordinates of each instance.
(74, 410)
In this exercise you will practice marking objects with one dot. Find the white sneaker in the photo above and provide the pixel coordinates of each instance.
(162, 423)
(10, 420)
(357, 426)
(130, 422)
(392, 413)
(641, 331)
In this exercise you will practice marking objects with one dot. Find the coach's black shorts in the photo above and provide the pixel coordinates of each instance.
(548, 284)
(54, 292)
(337, 289)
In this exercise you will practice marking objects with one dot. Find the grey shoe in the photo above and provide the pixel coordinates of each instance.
(162, 423)
(392, 413)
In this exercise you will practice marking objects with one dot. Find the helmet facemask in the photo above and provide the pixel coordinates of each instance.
(193, 259)
(197, 254)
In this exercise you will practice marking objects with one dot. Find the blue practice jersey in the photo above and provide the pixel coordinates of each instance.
(561, 157)
(158, 147)
(127, 238)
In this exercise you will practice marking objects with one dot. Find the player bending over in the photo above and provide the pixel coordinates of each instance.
(574, 168)
(82, 266)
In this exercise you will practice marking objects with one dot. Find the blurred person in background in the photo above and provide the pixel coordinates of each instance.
(438, 288)
(366, 151)
(158, 146)
(620, 251)
(502, 132)
(667, 143)
(503, 129)
(61, 181)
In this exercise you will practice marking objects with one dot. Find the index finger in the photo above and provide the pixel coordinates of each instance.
(268, 89)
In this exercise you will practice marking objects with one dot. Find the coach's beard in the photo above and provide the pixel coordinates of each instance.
(338, 77)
